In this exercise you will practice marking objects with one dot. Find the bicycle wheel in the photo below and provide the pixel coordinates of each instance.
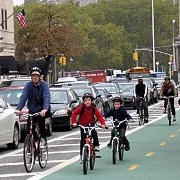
(121, 151)
(85, 159)
(28, 153)
(114, 150)
(169, 115)
(92, 160)
(141, 116)
(42, 153)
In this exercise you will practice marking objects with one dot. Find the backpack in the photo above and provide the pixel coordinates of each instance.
(83, 108)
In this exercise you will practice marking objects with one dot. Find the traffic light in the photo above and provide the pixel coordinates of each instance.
(135, 56)
(61, 61)
(64, 61)
(170, 57)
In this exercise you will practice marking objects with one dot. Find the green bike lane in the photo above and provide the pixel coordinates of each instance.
(154, 155)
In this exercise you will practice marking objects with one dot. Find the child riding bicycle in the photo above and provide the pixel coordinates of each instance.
(86, 113)
(119, 112)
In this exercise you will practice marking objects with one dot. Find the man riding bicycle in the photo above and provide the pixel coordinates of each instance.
(168, 89)
(141, 92)
(37, 95)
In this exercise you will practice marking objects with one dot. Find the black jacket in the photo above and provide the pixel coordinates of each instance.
(141, 90)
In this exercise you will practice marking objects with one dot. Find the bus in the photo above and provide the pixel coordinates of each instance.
(134, 72)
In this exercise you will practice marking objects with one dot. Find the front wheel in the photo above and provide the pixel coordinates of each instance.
(42, 153)
(169, 115)
(121, 151)
(28, 153)
(85, 159)
(92, 160)
(114, 150)
(141, 116)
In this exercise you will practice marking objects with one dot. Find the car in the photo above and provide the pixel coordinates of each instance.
(9, 125)
(12, 94)
(63, 101)
(107, 99)
(128, 94)
(98, 101)
(159, 82)
(113, 89)
(15, 82)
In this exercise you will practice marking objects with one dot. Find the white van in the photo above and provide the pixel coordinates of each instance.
(66, 80)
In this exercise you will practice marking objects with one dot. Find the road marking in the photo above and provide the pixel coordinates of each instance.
(149, 154)
(173, 135)
(133, 167)
(18, 174)
(162, 143)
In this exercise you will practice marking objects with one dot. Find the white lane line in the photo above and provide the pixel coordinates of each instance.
(18, 175)
(62, 145)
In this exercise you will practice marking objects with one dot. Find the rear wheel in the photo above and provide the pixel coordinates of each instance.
(85, 159)
(92, 160)
(169, 115)
(28, 153)
(114, 150)
(42, 154)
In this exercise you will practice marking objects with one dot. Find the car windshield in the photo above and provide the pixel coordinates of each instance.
(59, 97)
(80, 92)
(11, 96)
(159, 82)
(127, 87)
(19, 82)
(101, 92)
(111, 89)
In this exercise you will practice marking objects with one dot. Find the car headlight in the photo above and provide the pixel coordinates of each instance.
(61, 112)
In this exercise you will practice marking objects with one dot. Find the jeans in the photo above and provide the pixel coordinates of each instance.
(144, 103)
(172, 105)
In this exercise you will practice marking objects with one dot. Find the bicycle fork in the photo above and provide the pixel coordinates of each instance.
(117, 139)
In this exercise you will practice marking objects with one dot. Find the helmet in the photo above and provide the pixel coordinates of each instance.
(167, 78)
(117, 99)
(87, 95)
(35, 70)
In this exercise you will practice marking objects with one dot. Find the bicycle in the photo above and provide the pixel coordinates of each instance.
(117, 143)
(89, 152)
(33, 148)
(169, 109)
(141, 112)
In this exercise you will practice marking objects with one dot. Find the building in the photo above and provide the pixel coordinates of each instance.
(7, 46)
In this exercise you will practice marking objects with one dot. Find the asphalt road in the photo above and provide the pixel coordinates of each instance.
(64, 150)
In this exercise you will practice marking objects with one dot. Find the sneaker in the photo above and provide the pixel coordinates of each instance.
(80, 160)
(164, 111)
(174, 118)
(146, 120)
(97, 148)
(137, 112)
(109, 145)
(127, 147)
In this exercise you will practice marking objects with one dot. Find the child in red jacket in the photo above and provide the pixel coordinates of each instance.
(86, 114)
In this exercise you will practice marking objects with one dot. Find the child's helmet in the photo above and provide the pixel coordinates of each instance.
(35, 70)
(117, 99)
(88, 95)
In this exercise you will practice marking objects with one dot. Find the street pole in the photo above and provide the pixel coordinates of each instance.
(154, 61)
(169, 69)
(174, 55)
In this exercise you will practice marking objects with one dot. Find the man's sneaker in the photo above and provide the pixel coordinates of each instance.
(174, 118)
(127, 147)
(146, 120)
(109, 145)
(137, 112)
(164, 111)
(97, 148)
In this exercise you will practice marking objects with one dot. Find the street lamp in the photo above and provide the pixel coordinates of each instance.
(170, 68)
(174, 56)
(153, 39)
(157, 66)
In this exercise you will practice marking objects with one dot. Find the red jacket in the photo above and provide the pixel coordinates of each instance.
(88, 116)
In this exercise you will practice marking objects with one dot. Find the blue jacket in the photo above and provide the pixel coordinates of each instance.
(37, 97)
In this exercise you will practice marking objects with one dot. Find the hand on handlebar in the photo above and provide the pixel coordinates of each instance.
(74, 124)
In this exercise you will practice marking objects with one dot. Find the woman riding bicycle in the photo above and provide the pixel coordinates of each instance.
(168, 89)
(86, 114)
(37, 95)
(119, 112)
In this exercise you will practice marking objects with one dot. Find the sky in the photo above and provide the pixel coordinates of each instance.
(18, 2)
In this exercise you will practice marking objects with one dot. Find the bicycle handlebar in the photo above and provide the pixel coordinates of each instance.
(168, 97)
(29, 115)
(119, 122)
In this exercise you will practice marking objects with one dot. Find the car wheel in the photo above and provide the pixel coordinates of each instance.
(15, 142)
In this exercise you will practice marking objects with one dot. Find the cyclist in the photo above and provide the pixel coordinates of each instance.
(36, 93)
(120, 113)
(86, 113)
(168, 89)
(141, 90)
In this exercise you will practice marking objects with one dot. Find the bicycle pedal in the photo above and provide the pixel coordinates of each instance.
(98, 156)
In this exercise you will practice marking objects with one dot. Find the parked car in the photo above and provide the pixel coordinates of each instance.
(81, 90)
(15, 82)
(12, 94)
(112, 88)
(9, 125)
(159, 82)
(107, 99)
(128, 94)
(63, 102)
